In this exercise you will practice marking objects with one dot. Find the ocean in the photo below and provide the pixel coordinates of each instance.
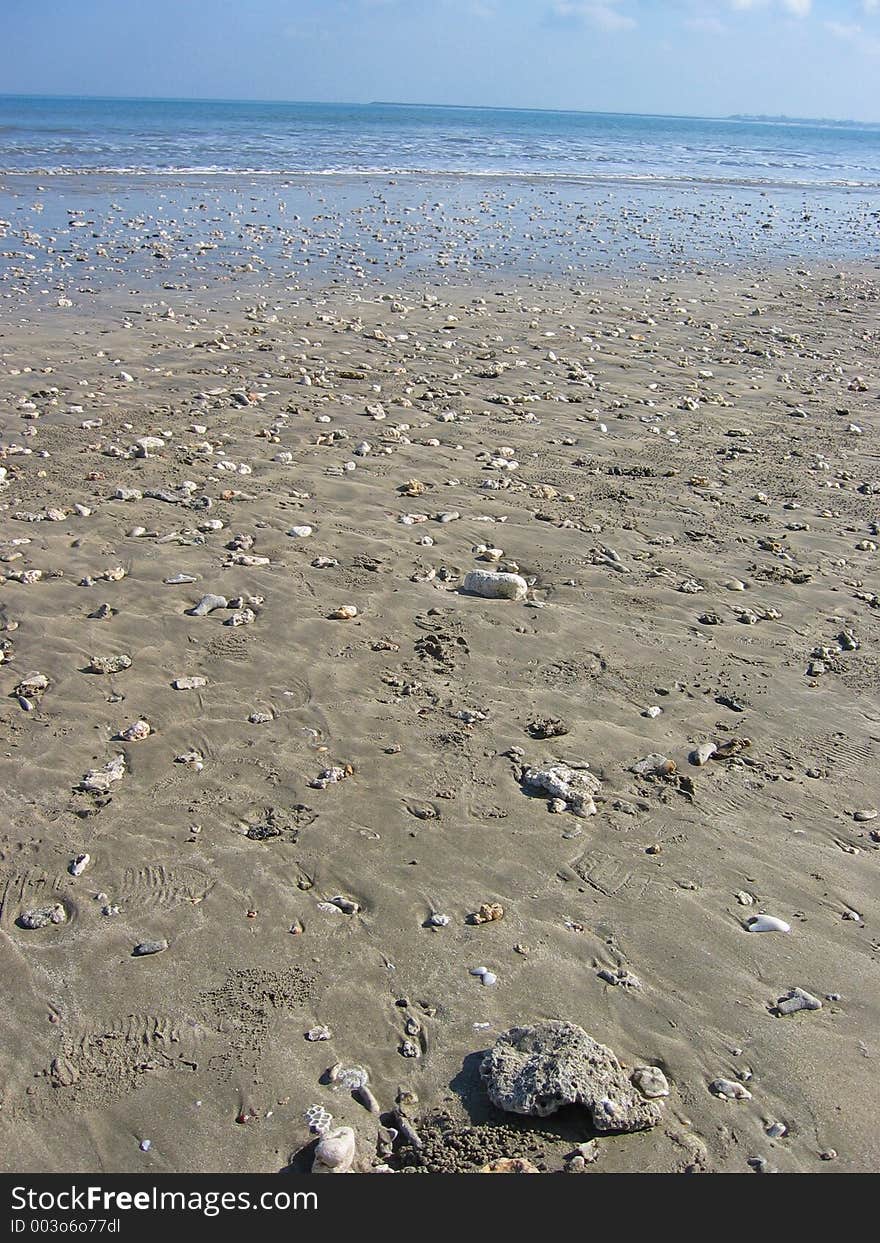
(180, 195)
(54, 136)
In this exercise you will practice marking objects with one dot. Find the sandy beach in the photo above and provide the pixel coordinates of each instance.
(241, 674)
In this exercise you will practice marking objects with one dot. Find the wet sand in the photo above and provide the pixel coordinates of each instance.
(685, 471)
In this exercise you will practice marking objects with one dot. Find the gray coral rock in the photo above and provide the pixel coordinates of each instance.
(538, 1070)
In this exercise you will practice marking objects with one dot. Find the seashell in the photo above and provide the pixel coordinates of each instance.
(207, 604)
(654, 766)
(318, 1119)
(79, 865)
(189, 684)
(241, 558)
(241, 617)
(729, 1090)
(144, 948)
(650, 1081)
(620, 976)
(319, 1033)
(865, 814)
(324, 563)
(135, 732)
(562, 782)
(193, 759)
(494, 586)
(41, 917)
(731, 746)
(488, 912)
(300, 532)
(438, 921)
(347, 905)
(354, 1078)
(109, 664)
(335, 1152)
(177, 579)
(149, 444)
(99, 780)
(548, 727)
(32, 685)
(767, 923)
(702, 754)
(489, 978)
(344, 613)
(328, 777)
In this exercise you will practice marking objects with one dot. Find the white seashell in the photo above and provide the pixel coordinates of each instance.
(32, 685)
(438, 921)
(559, 781)
(243, 558)
(300, 532)
(318, 1119)
(650, 1081)
(109, 664)
(79, 865)
(241, 617)
(192, 759)
(189, 684)
(489, 978)
(135, 732)
(767, 923)
(702, 754)
(729, 1090)
(494, 586)
(347, 905)
(99, 780)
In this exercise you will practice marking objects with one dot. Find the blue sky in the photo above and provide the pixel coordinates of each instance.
(704, 57)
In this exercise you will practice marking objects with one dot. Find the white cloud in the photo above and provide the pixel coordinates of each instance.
(852, 33)
(706, 24)
(602, 14)
(797, 8)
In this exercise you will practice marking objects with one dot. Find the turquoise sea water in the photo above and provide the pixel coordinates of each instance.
(52, 135)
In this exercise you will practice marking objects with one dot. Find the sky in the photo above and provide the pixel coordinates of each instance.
(805, 58)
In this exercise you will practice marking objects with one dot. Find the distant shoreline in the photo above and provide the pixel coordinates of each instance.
(745, 118)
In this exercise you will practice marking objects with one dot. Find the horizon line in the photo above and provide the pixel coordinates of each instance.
(382, 103)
